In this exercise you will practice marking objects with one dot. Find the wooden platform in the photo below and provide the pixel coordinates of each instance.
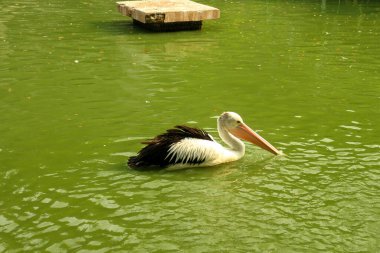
(168, 15)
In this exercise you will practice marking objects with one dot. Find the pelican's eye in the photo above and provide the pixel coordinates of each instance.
(239, 122)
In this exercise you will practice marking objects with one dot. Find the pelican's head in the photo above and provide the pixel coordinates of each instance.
(230, 120)
(234, 124)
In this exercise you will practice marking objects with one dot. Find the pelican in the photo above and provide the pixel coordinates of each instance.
(185, 146)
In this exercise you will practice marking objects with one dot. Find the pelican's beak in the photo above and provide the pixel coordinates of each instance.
(246, 133)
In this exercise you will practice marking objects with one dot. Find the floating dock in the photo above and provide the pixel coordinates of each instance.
(168, 15)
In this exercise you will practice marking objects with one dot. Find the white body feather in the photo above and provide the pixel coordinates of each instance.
(190, 149)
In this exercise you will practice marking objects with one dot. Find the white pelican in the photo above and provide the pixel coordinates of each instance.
(188, 147)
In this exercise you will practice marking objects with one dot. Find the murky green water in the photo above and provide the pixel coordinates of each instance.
(80, 87)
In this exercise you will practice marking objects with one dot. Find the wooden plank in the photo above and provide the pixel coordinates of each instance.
(167, 11)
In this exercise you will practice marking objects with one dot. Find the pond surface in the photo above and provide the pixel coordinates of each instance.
(81, 87)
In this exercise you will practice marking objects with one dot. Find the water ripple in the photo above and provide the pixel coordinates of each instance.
(90, 90)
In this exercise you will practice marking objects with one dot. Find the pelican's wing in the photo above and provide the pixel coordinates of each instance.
(191, 151)
(156, 153)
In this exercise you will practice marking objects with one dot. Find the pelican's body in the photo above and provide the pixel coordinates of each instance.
(185, 146)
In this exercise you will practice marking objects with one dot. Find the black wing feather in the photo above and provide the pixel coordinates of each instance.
(154, 154)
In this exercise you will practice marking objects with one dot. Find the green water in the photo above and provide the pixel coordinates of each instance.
(80, 87)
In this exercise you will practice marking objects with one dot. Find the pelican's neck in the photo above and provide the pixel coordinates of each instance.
(234, 143)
